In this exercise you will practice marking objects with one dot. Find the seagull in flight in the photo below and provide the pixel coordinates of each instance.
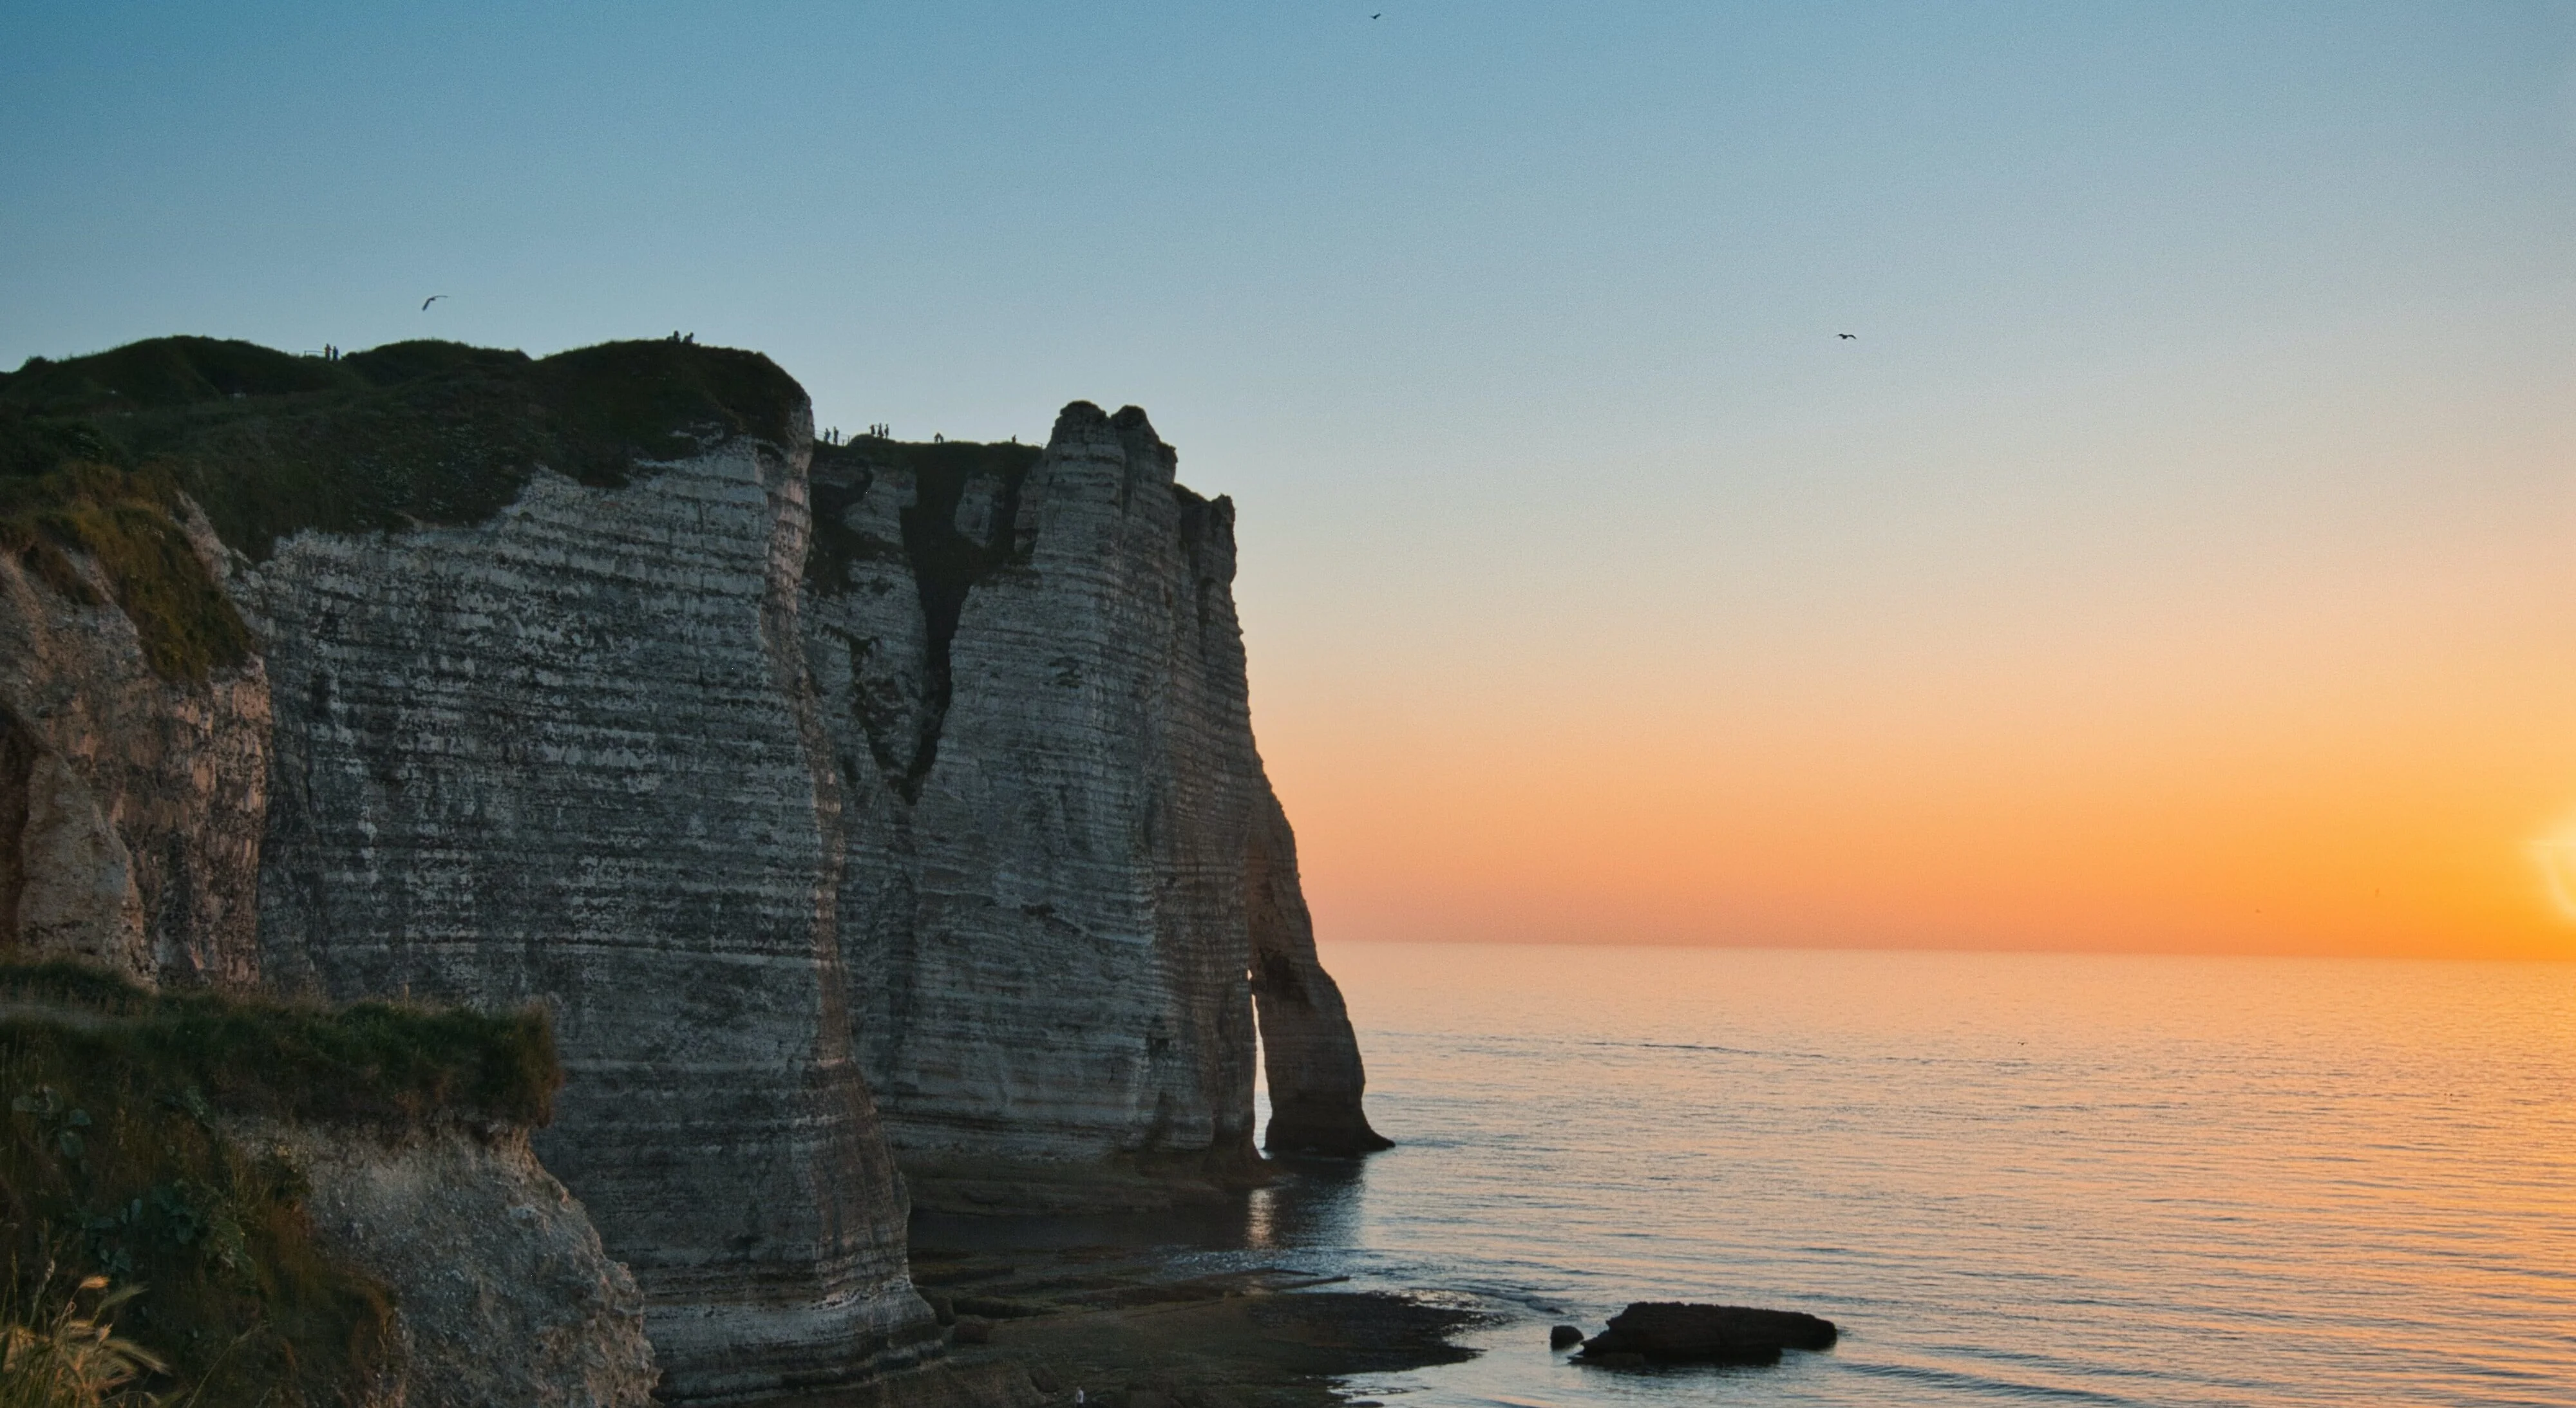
(1845, 336)
(433, 298)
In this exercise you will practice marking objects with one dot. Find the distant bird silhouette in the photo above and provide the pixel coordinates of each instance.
(1848, 336)
(1380, 15)
(433, 298)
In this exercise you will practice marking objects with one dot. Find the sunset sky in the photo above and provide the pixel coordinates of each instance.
(2181, 555)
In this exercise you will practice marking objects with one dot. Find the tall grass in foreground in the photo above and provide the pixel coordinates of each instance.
(129, 1151)
(71, 1356)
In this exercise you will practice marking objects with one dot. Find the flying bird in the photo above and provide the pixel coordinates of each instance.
(433, 298)
(1848, 336)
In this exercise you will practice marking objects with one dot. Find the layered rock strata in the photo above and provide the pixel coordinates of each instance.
(130, 803)
(1309, 1056)
(572, 755)
(1072, 874)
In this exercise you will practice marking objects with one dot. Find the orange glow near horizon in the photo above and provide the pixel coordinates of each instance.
(2399, 780)
(1592, 846)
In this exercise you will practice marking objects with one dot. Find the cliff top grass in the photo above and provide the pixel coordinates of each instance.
(128, 522)
(116, 1161)
(381, 1063)
(95, 449)
(940, 472)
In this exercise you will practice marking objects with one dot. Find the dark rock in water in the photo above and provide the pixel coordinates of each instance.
(1675, 1332)
(1564, 1337)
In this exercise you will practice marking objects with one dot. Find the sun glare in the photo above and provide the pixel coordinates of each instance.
(2555, 854)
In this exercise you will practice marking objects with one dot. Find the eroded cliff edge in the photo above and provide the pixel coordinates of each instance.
(310, 1205)
(132, 786)
(1074, 879)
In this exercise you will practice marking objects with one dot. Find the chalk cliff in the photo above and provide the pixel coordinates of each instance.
(571, 754)
(1072, 874)
(528, 720)
(501, 1291)
(130, 799)
(839, 802)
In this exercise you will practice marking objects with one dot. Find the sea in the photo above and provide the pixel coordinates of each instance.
(2008, 1178)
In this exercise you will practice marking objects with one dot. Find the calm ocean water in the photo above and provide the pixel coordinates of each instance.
(2012, 1179)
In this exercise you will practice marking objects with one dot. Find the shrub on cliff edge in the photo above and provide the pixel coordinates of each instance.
(117, 1160)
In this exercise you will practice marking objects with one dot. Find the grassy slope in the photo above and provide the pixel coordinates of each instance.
(95, 450)
(112, 1161)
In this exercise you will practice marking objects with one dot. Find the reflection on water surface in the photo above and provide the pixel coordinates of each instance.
(2011, 1178)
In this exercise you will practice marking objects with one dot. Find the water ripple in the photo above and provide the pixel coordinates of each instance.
(2013, 1178)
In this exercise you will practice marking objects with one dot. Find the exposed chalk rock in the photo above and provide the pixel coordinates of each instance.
(502, 1293)
(130, 804)
(945, 781)
(572, 754)
(1068, 876)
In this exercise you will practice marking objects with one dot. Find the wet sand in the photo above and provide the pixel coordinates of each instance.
(1118, 1325)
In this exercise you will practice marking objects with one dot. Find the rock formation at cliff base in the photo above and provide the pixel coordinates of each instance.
(501, 1289)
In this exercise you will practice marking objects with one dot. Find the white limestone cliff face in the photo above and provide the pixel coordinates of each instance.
(502, 1293)
(572, 755)
(1066, 866)
(131, 815)
(130, 804)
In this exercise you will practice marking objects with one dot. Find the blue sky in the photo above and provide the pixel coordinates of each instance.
(964, 212)
(2207, 354)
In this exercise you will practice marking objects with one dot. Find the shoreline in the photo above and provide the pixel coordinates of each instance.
(1134, 1326)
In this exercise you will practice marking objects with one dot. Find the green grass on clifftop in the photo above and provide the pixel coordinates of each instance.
(128, 520)
(115, 1160)
(269, 443)
(383, 1063)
